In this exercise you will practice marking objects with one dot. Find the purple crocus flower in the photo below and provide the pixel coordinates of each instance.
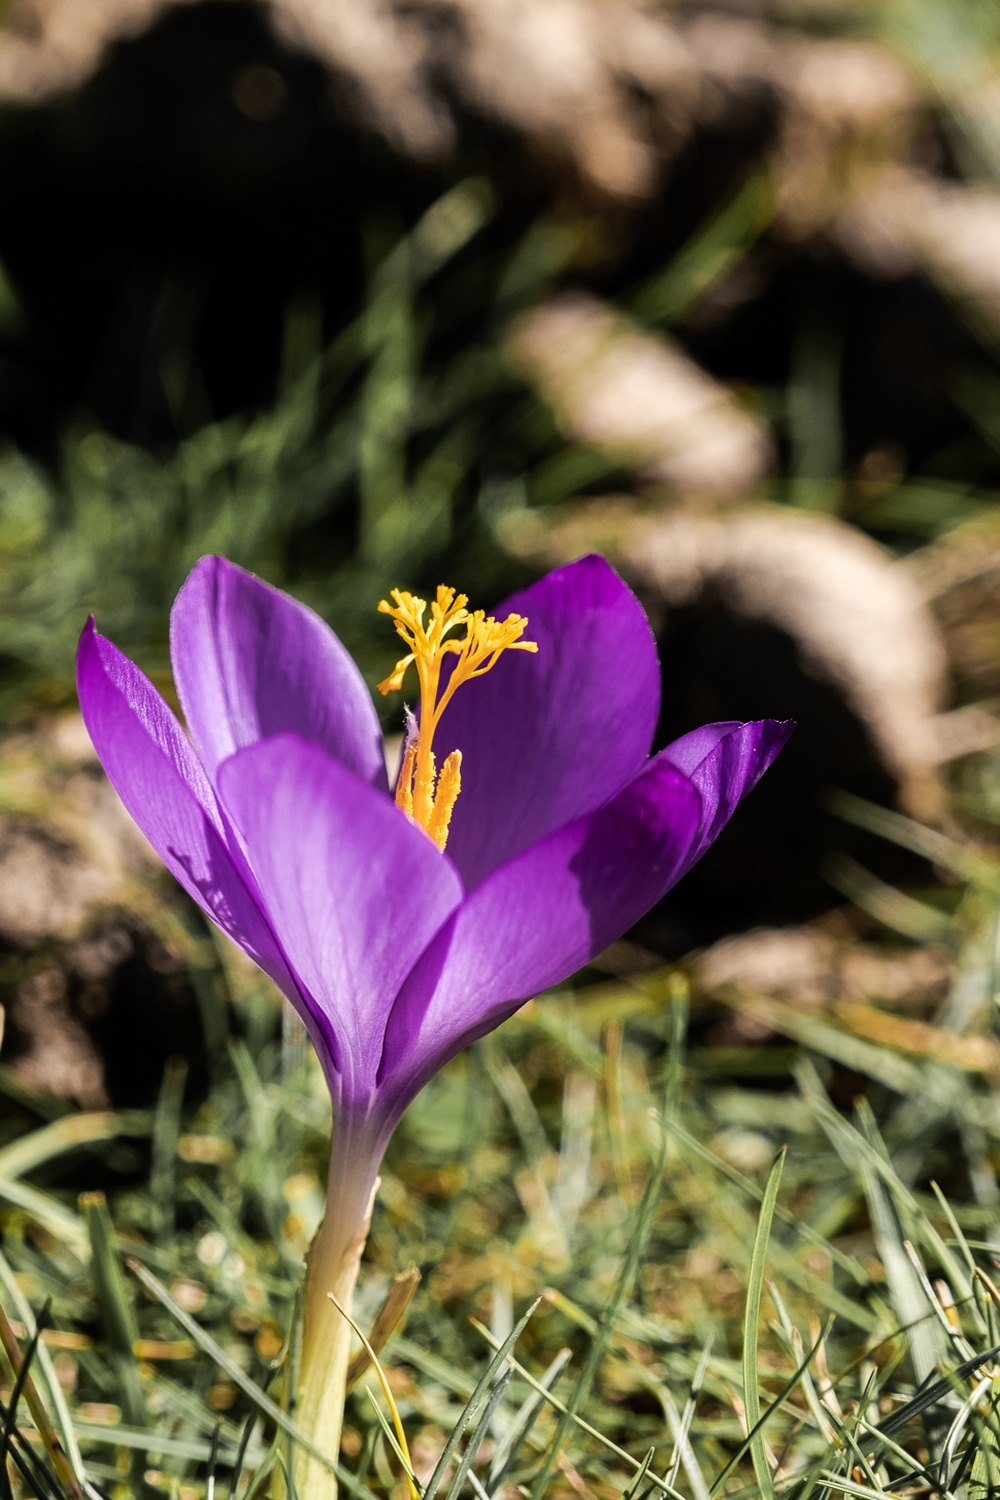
(276, 817)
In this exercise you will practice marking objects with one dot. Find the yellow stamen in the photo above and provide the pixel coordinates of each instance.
(423, 795)
(448, 787)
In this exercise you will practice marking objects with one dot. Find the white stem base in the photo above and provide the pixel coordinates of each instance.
(332, 1265)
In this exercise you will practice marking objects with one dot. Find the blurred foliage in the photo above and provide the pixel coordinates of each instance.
(377, 461)
(390, 456)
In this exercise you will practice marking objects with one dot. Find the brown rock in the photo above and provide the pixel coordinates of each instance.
(612, 385)
(857, 616)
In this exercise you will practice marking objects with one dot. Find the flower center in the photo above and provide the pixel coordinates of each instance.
(424, 795)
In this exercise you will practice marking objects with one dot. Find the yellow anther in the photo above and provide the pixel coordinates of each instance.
(423, 795)
(449, 785)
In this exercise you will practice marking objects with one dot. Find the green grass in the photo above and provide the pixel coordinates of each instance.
(692, 1255)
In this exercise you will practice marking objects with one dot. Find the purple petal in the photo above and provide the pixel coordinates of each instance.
(725, 762)
(355, 890)
(537, 919)
(547, 738)
(250, 662)
(540, 917)
(153, 769)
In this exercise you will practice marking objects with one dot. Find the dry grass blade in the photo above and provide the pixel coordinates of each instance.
(679, 1430)
(793, 1340)
(789, 1386)
(959, 1344)
(392, 1438)
(397, 1422)
(388, 1318)
(23, 1382)
(54, 1391)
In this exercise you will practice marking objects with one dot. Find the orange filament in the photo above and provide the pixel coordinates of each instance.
(424, 795)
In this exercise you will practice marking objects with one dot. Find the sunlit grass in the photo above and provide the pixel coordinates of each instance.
(597, 1171)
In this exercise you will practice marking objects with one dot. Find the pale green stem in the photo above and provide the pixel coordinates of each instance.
(331, 1266)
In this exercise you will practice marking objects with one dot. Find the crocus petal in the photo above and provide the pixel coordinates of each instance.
(549, 737)
(537, 919)
(725, 762)
(250, 662)
(152, 767)
(355, 889)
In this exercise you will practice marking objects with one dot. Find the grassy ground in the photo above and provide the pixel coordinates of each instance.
(718, 1280)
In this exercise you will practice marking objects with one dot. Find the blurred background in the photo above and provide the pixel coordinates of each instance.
(377, 294)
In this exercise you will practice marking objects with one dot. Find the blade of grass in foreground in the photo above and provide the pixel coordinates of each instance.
(392, 1438)
(522, 1423)
(116, 1310)
(62, 1461)
(755, 1286)
(592, 1432)
(636, 1236)
(476, 1400)
(776, 1405)
(481, 1432)
(53, 1390)
(683, 1451)
(635, 1484)
(680, 1429)
(215, 1352)
(20, 1365)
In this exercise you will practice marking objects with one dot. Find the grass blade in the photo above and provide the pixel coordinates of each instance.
(54, 1391)
(755, 1288)
(215, 1352)
(523, 1422)
(578, 1421)
(632, 1489)
(387, 1320)
(475, 1401)
(637, 1233)
(482, 1428)
(117, 1313)
(20, 1364)
(40, 1146)
(681, 1444)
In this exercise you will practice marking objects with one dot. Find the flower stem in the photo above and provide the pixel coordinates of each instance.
(331, 1266)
